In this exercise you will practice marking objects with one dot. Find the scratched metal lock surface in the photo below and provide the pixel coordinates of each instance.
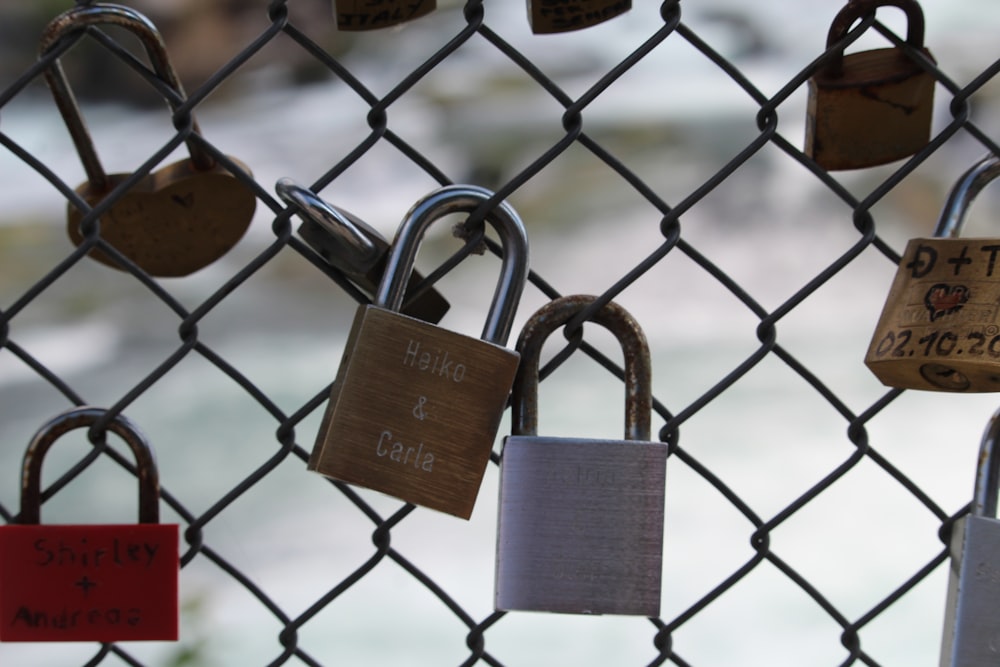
(871, 107)
(971, 636)
(552, 16)
(415, 408)
(103, 582)
(580, 525)
(940, 326)
(354, 15)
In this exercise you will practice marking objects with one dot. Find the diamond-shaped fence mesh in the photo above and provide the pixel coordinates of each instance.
(656, 160)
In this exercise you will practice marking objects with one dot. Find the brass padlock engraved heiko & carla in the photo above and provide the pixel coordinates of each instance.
(940, 326)
(354, 15)
(871, 107)
(175, 220)
(415, 408)
(580, 527)
(356, 249)
(89, 582)
(553, 16)
(971, 636)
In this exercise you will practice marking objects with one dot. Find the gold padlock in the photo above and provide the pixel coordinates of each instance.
(940, 326)
(872, 107)
(356, 15)
(550, 16)
(173, 221)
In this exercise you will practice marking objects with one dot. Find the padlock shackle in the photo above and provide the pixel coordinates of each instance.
(79, 19)
(962, 195)
(857, 9)
(614, 318)
(354, 247)
(984, 499)
(461, 199)
(80, 417)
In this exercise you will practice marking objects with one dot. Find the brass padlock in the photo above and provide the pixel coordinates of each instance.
(940, 326)
(356, 249)
(415, 408)
(551, 16)
(374, 14)
(175, 220)
(580, 526)
(872, 107)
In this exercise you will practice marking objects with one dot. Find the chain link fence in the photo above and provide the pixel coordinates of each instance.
(655, 160)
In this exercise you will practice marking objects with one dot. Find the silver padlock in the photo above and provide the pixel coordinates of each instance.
(972, 617)
(581, 520)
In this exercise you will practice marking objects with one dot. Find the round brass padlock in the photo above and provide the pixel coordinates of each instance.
(940, 326)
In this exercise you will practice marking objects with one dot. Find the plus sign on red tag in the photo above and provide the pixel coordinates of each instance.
(89, 582)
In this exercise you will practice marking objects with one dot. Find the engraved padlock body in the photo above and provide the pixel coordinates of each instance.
(872, 107)
(175, 220)
(359, 15)
(940, 326)
(553, 16)
(355, 248)
(580, 527)
(103, 582)
(971, 636)
(415, 408)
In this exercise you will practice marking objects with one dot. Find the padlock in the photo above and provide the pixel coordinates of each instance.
(415, 408)
(971, 636)
(581, 520)
(872, 107)
(175, 220)
(355, 15)
(940, 326)
(355, 248)
(100, 582)
(551, 16)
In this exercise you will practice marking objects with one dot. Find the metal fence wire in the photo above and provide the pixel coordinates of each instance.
(656, 160)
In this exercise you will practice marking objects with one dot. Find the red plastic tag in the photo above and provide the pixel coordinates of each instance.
(89, 583)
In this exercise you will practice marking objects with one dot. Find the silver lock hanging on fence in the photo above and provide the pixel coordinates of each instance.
(415, 408)
(940, 326)
(972, 615)
(356, 249)
(581, 520)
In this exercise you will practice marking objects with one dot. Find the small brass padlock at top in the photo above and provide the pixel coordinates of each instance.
(97, 582)
(872, 107)
(552, 16)
(940, 326)
(175, 220)
(971, 636)
(355, 15)
(415, 408)
(580, 526)
(355, 248)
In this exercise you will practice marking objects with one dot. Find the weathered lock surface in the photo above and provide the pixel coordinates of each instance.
(355, 248)
(415, 408)
(355, 15)
(581, 520)
(103, 582)
(871, 107)
(173, 221)
(940, 326)
(971, 636)
(551, 16)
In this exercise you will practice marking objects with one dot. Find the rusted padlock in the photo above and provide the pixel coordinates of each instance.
(374, 14)
(174, 221)
(872, 107)
(550, 16)
(101, 582)
(940, 326)
(355, 248)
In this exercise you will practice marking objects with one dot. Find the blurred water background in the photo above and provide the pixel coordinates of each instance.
(674, 119)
